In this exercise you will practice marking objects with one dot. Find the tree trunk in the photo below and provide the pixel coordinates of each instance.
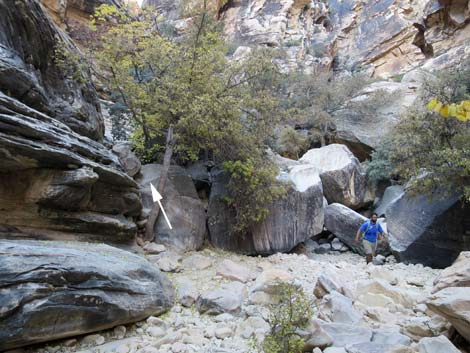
(155, 212)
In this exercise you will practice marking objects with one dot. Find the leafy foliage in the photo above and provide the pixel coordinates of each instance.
(292, 143)
(252, 187)
(460, 111)
(186, 85)
(430, 150)
(292, 313)
(380, 166)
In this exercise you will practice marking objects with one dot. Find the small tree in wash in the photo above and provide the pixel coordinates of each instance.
(184, 96)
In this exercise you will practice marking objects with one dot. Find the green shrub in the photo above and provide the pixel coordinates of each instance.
(291, 314)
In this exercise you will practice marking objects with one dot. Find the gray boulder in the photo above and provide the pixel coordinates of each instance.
(292, 219)
(390, 195)
(344, 223)
(341, 174)
(52, 290)
(430, 232)
(185, 210)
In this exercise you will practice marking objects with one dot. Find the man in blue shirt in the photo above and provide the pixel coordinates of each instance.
(371, 230)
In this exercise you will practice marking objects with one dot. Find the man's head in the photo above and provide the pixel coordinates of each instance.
(373, 217)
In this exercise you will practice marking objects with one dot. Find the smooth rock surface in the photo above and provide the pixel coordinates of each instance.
(181, 202)
(453, 303)
(293, 218)
(52, 290)
(438, 344)
(434, 238)
(457, 275)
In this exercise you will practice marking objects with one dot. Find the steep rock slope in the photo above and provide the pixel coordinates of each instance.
(56, 180)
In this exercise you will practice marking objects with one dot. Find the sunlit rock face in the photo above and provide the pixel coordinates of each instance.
(57, 181)
(388, 37)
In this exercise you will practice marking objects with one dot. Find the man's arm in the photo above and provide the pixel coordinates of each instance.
(358, 235)
(382, 233)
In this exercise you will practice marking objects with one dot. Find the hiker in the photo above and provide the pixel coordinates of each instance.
(371, 230)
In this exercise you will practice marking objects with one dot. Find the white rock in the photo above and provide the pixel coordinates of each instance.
(93, 339)
(439, 344)
(269, 280)
(223, 332)
(155, 331)
(152, 248)
(120, 331)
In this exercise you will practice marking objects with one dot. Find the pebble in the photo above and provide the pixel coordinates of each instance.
(120, 331)
(93, 339)
(223, 332)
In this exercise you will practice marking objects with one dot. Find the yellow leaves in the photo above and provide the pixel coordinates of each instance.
(460, 111)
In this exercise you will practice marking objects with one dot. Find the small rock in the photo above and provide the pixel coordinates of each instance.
(152, 248)
(178, 347)
(93, 339)
(225, 317)
(168, 263)
(155, 331)
(196, 262)
(233, 271)
(70, 342)
(223, 332)
(120, 331)
(269, 280)
(155, 321)
(316, 350)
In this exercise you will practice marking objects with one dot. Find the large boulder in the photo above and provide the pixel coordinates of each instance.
(457, 275)
(430, 232)
(453, 303)
(52, 290)
(186, 212)
(341, 174)
(344, 223)
(292, 219)
(390, 195)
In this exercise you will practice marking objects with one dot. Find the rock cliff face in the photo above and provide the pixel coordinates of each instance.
(388, 36)
(56, 179)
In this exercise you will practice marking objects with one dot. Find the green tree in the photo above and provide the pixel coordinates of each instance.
(291, 314)
(185, 97)
(430, 150)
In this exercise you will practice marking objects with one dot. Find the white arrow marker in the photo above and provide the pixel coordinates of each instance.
(156, 198)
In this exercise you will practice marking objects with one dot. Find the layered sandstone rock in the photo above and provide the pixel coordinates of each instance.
(57, 180)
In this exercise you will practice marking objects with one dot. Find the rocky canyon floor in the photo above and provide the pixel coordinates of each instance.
(223, 302)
